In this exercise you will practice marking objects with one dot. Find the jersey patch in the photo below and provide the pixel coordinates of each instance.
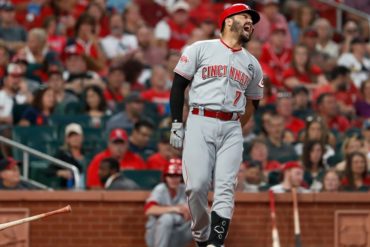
(184, 59)
(260, 84)
(250, 67)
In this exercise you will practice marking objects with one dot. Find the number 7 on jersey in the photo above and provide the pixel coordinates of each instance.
(237, 97)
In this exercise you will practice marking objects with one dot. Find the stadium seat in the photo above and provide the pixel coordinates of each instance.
(146, 179)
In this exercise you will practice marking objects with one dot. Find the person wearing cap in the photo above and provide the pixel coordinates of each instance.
(275, 55)
(292, 178)
(175, 31)
(112, 178)
(118, 149)
(357, 61)
(117, 44)
(362, 104)
(10, 177)
(226, 85)
(250, 177)
(131, 114)
(168, 222)
(71, 152)
(13, 35)
(140, 138)
(302, 107)
(270, 16)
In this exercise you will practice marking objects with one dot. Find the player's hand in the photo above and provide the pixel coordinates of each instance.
(177, 135)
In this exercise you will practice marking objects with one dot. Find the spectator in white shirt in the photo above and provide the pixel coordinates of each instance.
(325, 44)
(356, 61)
(117, 44)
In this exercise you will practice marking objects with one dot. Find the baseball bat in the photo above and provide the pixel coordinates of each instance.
(297, 227)
(275, 233)
(66, 209)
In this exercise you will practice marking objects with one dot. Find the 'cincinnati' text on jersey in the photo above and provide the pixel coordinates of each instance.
(213, 71)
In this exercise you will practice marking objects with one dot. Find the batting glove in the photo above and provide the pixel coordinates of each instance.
(177, 135)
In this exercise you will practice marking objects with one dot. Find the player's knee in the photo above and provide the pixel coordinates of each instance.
(166, 220)
(198, 187)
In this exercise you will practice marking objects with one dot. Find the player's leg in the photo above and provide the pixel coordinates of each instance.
(198, 161)
(181, 235)
(163, 230)
(229, 157)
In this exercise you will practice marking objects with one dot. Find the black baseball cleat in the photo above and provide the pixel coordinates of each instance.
(202, 244)
(219, 230)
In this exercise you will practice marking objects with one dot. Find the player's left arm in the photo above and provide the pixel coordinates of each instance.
(253, 93)
(250, 108)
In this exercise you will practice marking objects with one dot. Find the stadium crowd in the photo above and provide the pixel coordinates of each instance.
(88, 82)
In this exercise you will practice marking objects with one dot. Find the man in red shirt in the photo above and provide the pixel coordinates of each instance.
(118, 149)
(327, 107)
(284, 107)
(275, 55)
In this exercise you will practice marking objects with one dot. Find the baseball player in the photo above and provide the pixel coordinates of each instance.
(169, 218)
(225, 88)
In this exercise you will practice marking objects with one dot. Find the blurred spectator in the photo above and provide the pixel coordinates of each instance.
(62, 96)
(41, 109)
(132, 19)
(350, 144)
(292, 178)
(344, 90)
(325, 44)
(72, 153)
(362, 104)
(301, 72)
(134, 69)
(331, 181)
(97, 10)
(4, 59)
(175, 31)
(277, 149)
(275, 55)
(110, 176)
(11, 93)
(316, 130)
(95, 105)
(159, 160)
(13, 35)
(118, 149)
(86, 40)
(10, 177)
(208, 24)
(139, 139)
(172, 59)
(313, 163)
(259, 152)
(351, 30)
(309, 39)
(117, 45)
(284, 108)
(366, 134)
(356, 174)
(303, 17)
(55, 40)
(169, 217)
(131, 114)
(250, 177)
(356, 61)
(38, 55)
(328, 109)
(78, 74)
(152, 54)
(270, 16)
(152, 12)
(302, 107)
(117, 87)
(158, 93)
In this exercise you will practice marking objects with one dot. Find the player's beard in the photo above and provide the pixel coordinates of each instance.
(238, 28)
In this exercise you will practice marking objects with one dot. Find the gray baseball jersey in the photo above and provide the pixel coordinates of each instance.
(222, 79)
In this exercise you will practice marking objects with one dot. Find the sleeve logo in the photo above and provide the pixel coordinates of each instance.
(184, 59)
(260, 84)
